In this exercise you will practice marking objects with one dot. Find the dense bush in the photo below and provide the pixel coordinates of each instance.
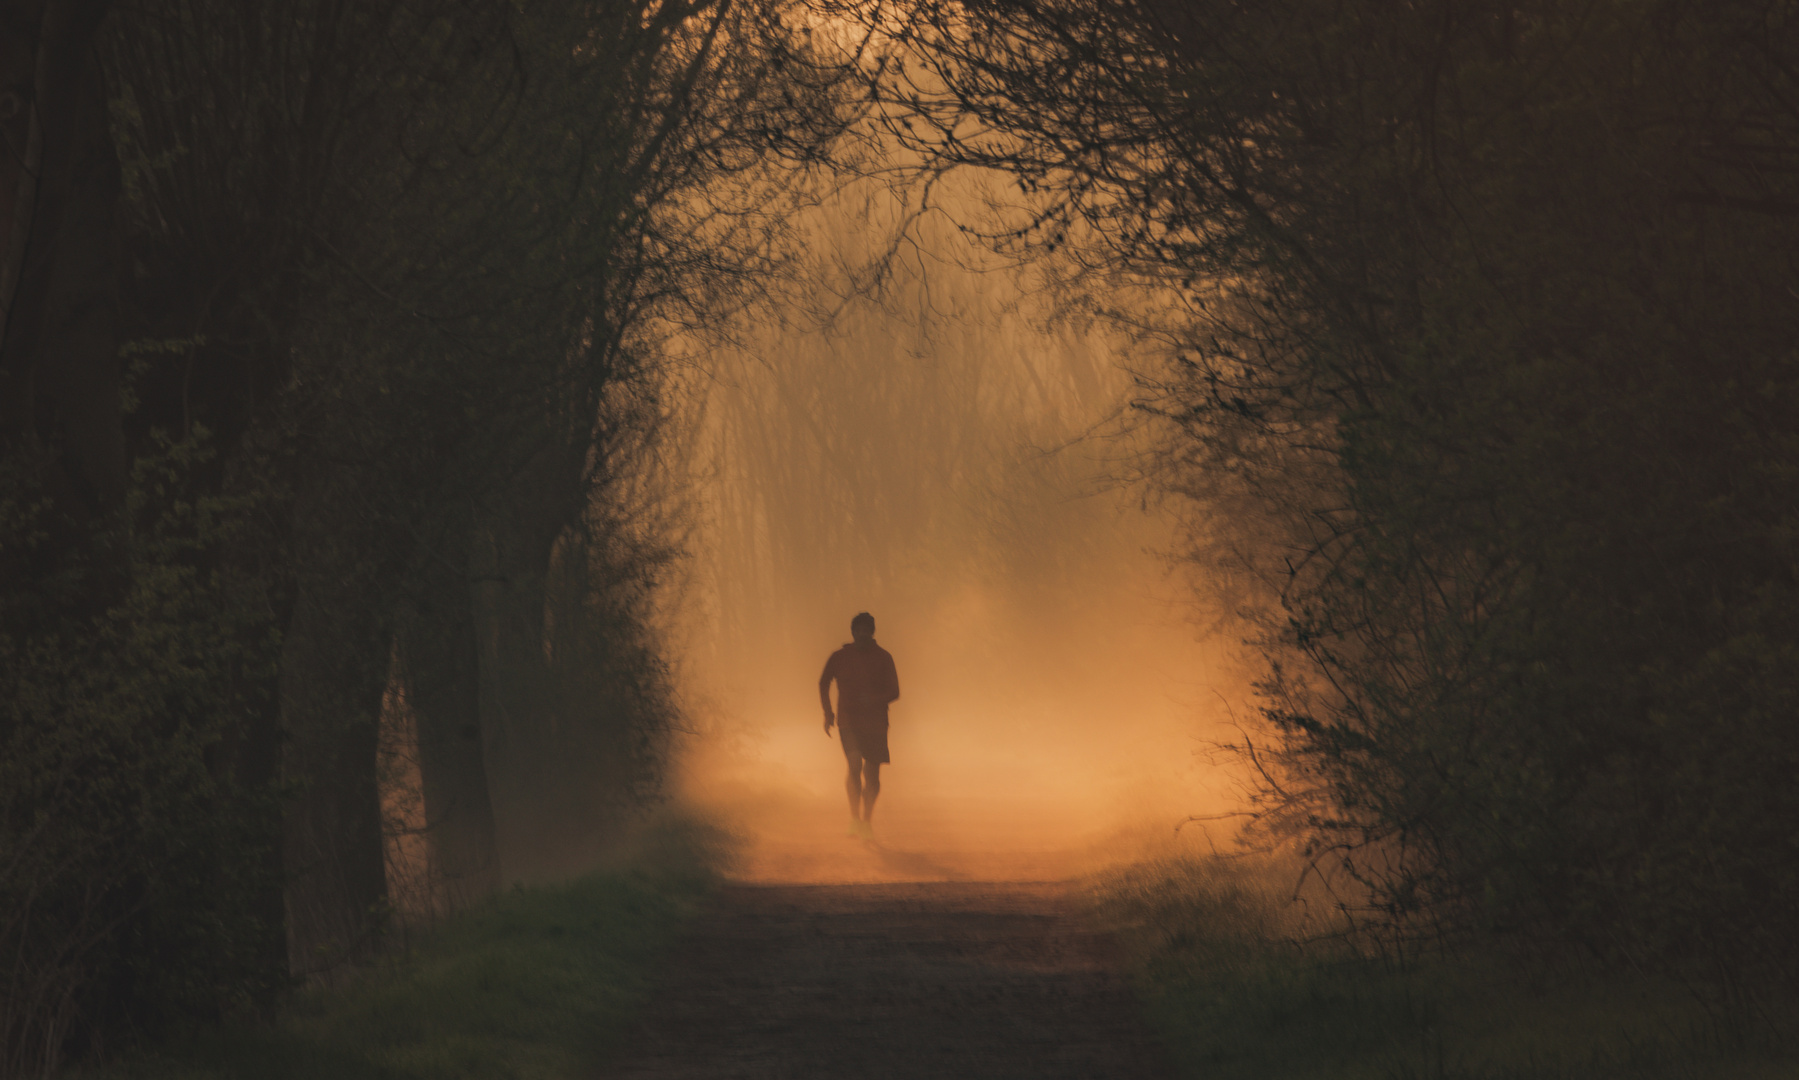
(1540, 655)
(135, 867)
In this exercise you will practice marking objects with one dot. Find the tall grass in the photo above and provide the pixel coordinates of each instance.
(1246, 981)
(536, 983)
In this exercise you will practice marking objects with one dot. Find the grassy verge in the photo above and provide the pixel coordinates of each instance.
(535, 983)
(1236, 996)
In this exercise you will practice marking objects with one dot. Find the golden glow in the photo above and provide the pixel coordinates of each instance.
(921, 456)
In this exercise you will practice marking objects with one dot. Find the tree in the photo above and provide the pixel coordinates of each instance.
(442, 330)
(395, 278)
(58, 235)
(1477, 360)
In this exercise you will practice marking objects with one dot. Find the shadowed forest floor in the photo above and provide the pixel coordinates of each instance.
(926, 980)
(655, 968)
(534, 984)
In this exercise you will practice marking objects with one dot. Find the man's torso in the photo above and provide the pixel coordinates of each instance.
(866, 682)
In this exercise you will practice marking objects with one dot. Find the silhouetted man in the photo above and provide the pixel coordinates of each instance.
(866, 683)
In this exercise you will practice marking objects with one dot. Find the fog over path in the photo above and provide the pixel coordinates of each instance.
(958, 456)
(924, 979)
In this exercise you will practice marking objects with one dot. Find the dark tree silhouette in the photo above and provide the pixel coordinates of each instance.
(1475, 329)
(395, 280)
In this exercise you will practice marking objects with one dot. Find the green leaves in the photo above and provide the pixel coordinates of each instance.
(133, 861)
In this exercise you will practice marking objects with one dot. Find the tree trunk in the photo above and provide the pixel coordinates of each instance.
(507, 601)
(333, 675)
(440, 665)
(59, 252)
(509, 563)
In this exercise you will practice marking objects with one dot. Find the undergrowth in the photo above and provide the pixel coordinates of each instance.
(1247, 983)
(534, 983)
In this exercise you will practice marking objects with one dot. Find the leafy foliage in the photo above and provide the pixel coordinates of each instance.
(133, 866)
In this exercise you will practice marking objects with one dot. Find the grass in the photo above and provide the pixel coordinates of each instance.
(535, 983)
(1217, 948)
(538, 983)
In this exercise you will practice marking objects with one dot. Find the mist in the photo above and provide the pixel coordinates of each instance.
(936, 447)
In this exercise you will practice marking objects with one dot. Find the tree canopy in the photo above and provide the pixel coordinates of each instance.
(1472, 327)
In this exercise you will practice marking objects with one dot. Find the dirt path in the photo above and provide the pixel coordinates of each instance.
(929, 979)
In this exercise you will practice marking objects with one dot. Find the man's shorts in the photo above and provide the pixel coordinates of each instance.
(864, 741)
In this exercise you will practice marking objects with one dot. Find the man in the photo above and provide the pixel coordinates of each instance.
(866, 683)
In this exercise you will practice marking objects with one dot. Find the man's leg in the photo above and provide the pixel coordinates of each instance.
(871, 788)
(853, 787)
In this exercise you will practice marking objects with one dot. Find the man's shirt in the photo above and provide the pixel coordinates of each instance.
(866, 682)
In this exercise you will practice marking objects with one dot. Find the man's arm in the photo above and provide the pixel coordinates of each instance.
(892, 680)
(824, 692)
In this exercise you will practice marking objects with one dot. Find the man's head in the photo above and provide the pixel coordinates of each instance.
(862, 627)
